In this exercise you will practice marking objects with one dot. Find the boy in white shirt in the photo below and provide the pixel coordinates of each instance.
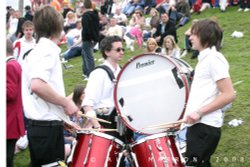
(211, 90)
(24, 44)
(43, 93)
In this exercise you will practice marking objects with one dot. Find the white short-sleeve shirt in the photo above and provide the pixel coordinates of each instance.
(21, 46)
(43, 62)
(212, 66)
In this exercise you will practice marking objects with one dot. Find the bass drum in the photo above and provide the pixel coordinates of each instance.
(151, 89)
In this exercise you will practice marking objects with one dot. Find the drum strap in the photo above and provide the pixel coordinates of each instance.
(9, 58)
(108, 70)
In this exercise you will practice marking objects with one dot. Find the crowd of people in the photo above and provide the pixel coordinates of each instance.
(35, 87)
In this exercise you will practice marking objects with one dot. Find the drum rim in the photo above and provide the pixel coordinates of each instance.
(103, 135)
(150, 137)
(119, 76)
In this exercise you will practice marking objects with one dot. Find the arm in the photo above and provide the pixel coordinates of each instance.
(226, 96)
(93, 94)
(90, 112)
(45, 91)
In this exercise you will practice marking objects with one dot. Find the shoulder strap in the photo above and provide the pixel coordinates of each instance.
(26, 53)
(108, 70)
(10, 58)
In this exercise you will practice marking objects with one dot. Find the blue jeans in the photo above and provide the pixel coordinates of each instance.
(176, 17)
(70, 42)
(88, 63)
(73, 52)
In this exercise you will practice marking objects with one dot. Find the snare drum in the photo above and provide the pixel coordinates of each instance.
(95, 149)
(157, 151)
(151, 89)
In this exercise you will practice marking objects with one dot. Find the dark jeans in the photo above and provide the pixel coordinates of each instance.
(202, 141)
(73, 52)
(88, 63)
(188, 44)
(244, 4)
(46, 142)
(11, 143)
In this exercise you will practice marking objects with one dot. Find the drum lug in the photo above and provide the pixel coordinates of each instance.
(107, 157)
(88, 151)
(158, 144)
(69, 159)
(152, 154)
(171, 152)
(162, 153)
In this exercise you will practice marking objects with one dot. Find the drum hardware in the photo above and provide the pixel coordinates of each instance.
(157, 143)
(151, 154)
(181, 155)
(98, 119)
(171, 152)
(177, 78)
(88, 151)
(107, 157)
(119, 159)
(135, 159)
(162, 153)
(163, 158)
(131, 160)
(124, 111)
(69, 159)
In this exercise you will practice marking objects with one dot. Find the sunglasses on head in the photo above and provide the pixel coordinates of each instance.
(119, 49)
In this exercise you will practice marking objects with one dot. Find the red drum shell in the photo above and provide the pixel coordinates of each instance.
(95, 149)
(157, 150)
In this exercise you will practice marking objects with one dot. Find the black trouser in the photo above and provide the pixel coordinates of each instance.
(11, 143)
(202, 141)
(46, 142)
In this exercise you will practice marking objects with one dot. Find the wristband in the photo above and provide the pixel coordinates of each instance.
(91, 113)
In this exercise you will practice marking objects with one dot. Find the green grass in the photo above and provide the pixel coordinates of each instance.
(233, 149)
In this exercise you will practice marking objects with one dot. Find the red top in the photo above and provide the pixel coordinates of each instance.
(15, 120)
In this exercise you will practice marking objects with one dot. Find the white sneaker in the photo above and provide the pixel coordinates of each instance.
(240, 9)
(246, 9)
(64, 61)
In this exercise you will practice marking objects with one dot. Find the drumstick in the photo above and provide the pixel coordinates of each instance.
(166, 124)
(98, 119)
(104, 130)
(161, 127)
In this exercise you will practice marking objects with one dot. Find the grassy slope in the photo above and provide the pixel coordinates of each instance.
(233, 149)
